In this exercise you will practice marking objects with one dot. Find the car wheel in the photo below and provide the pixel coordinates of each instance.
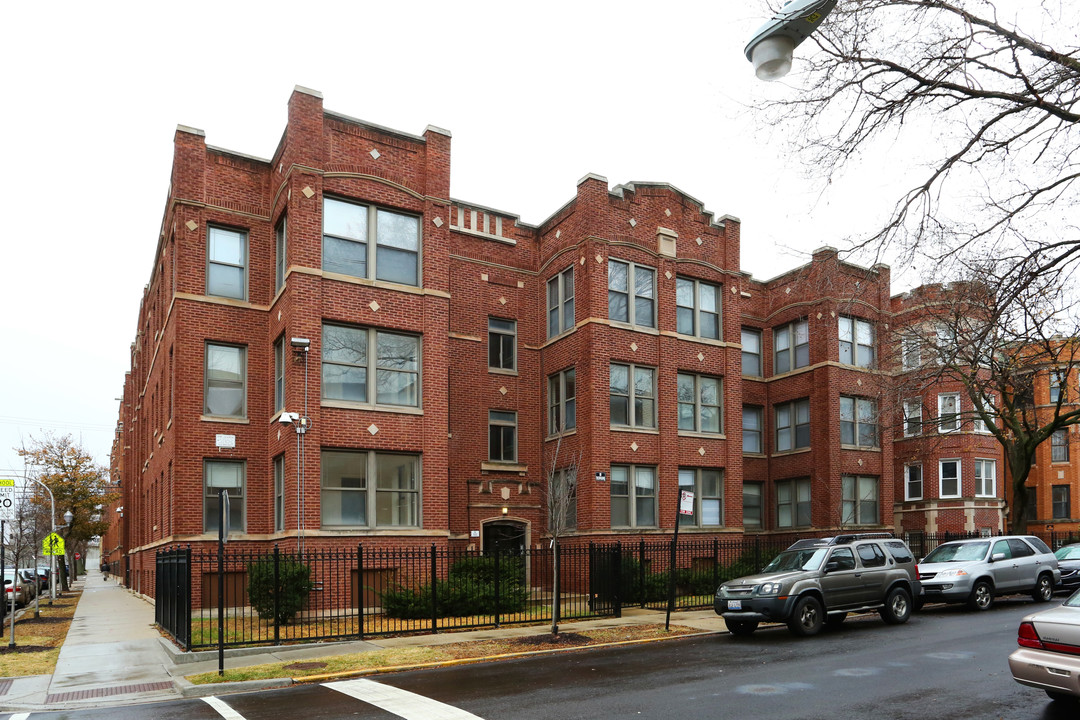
(897, 608)
(807, 618)
(741, 628)
(982, 596)
(1044, 589)
(1061, 697)
(835, 620)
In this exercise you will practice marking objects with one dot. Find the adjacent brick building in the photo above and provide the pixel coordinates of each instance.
(355, 356)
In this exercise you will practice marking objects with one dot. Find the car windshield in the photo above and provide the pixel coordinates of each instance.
(959, 552)
(1069, 552)
(806, 559)
(1074, 600)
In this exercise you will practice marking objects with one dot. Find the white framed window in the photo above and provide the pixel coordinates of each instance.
(502, 436)
(280, 258)
(751, 352)
(948, 412)
(707, 485)
(946, 347)
(279, 374)
(913, 482)
(279, 493)
(700, 403)
(860, 503)
(353, 481)
(977, 424)
(370, 366)
(752, 429)
(226, 262)
(1059, 446)
(911, 352)
(502, 344)
(792, 425)
(225, 390)
(857, 342)
(560, 302)
(1058, 385)
(348, 228)
(562, 402)
(225, 475)
(949, 478)
(912, 417)
(697, 306)
(985, 478)
(631, 293)
(633, 396)
(858, 422)
(793, 503)
(752, 503)
(791, 346)
(633, 496)
(566, 484)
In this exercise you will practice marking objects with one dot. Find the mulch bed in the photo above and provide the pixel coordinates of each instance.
(538, 642)
(8, 650)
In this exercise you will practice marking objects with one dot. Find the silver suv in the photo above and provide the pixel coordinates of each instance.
(974, 571)
(818, 582)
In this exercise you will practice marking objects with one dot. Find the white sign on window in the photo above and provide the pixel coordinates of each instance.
(686, 503)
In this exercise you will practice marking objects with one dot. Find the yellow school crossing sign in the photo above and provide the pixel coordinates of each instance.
(53, 544)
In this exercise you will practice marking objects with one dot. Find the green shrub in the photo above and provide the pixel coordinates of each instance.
(290, 592)
(469, 590)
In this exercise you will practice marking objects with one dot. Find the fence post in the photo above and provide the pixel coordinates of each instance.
(497, 578)
(716, 563)
(556, 605)
(434, 592)
(616, 596)
(641, 570)
(186, 602)
(277, 593)
(360, 585)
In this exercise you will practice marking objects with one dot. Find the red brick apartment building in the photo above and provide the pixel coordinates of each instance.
(435, 354)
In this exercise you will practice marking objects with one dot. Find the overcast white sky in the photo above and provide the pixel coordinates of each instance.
(536, 96)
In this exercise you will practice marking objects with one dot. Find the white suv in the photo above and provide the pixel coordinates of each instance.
(975, 571)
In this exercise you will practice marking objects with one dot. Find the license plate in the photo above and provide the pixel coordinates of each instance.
(734, 604)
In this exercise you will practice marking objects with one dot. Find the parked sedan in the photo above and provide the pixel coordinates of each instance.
(975, 571)
(1049, 654)
(14, 585)
(1069, 562)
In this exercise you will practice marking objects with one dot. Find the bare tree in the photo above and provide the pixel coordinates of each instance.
(1010, 342)
(560, 500)
(986, 93)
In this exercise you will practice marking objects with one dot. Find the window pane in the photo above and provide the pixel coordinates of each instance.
(618, 306)
(684, 293)
(618, 276)
(225, 280)
(343, 219)
(644, 280)
(344, 257)
(341, 382)
(398, 266)
(710, 325)
(226, 246)
(643, 312)
(684, 321)
(398, 231)
(620, 379)
(707, 296)
(345, 345)
(710, 419)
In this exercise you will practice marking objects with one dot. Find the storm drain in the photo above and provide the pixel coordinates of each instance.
(105, 692)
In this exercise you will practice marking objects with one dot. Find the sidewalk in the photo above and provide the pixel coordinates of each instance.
(114, 656)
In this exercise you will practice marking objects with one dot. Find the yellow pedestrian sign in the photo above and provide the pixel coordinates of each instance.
(53, 544)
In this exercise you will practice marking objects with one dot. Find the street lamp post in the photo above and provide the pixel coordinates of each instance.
(53, 528)
(772, 47)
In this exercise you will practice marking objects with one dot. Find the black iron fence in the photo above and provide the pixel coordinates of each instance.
(279, 597)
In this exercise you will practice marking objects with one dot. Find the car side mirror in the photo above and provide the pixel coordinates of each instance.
(997, 556)
(832, 566)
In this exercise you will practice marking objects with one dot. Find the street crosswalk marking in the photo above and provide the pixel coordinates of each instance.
(400, 702)
(223, 710)
(19, 716)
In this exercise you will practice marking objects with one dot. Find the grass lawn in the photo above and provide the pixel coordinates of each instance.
(37, 640)
(410, 656)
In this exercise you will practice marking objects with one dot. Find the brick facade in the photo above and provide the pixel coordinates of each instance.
(686, 305)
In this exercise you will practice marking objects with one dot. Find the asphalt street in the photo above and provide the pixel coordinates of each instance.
(945, 663)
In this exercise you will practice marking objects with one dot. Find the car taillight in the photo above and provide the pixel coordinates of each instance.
(1028, 637)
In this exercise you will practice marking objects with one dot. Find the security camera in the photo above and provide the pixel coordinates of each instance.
(300, 343)
(774, 43)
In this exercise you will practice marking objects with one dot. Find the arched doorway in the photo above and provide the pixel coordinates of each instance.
(505, 536)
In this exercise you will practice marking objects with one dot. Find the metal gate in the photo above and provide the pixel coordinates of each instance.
(605, 579)
(172, 606)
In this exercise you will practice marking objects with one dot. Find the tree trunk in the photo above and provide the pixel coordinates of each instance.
(1019, 467)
